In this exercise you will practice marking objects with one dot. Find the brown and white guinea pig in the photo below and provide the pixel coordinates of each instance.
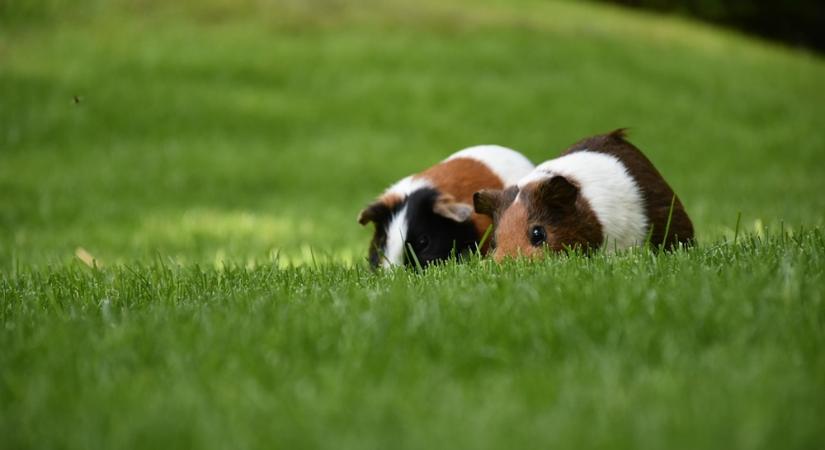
(432, 211)
(601, 192)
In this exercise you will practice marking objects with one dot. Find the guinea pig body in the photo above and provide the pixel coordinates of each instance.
(601, 192)
(432, 211)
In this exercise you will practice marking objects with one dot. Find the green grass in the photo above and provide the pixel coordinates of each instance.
(719, 347)
(215, 165)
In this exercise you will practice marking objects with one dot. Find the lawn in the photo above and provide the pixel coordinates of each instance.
(212, 157)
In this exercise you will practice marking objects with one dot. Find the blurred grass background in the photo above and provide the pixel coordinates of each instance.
(211, 130)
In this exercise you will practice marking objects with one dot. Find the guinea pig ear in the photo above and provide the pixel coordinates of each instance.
(487, 201)
(490, 202)
(445, 205)
(376, 212)
(556, 193)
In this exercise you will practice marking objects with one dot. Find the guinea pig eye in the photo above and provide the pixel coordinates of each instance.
(423, 241)
(538, 235)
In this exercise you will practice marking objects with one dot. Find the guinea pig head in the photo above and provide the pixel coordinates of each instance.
(427, 223)
(549, 213)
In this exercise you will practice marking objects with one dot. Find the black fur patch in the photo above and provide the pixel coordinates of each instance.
(434, 237)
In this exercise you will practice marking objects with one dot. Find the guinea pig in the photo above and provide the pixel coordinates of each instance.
(602, 192)
(432, 212)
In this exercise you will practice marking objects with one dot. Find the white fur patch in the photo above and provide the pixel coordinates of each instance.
(407, 186)
(608, 187)
(396, 236)
(398, 224)
(508, 164)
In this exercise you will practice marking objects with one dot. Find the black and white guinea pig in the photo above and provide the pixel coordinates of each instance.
(432, 212)
(602, 191)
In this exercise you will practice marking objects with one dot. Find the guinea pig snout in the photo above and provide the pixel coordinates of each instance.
(511, 234)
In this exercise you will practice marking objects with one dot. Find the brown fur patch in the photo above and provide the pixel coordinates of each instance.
(567, 226)
(511, 233)
(377, 210)
(461, 178)
(657, 194)
(570, 224)
(391, 200)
